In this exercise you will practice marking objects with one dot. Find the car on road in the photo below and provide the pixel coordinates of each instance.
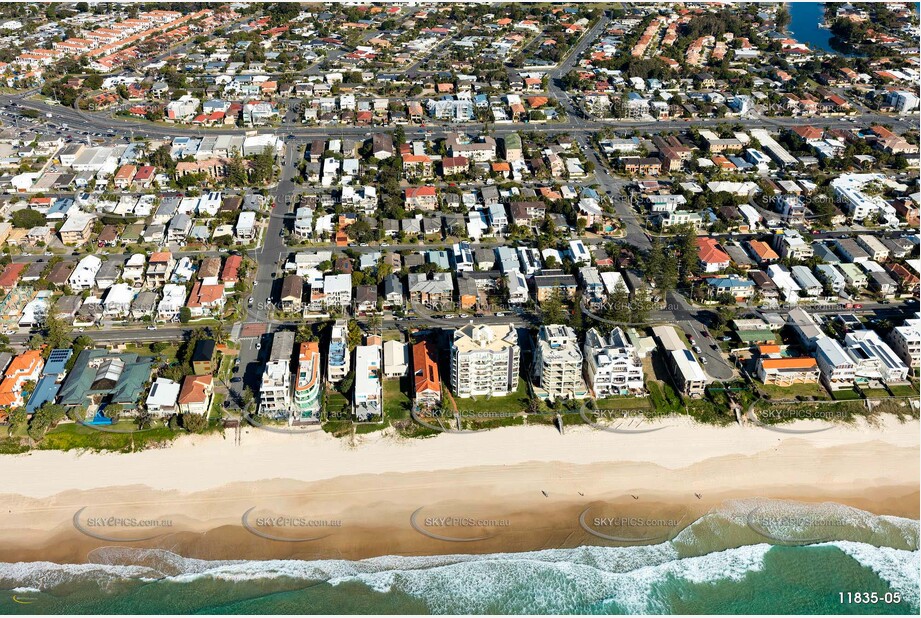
(858, 306)
(80, 330)
(152, 327)
(705, 333)
(697, 349)
(463, 315)
(258, 346)
(449, 317)
(703, 359)
(250, 301)
(236, 379)
(500, 315)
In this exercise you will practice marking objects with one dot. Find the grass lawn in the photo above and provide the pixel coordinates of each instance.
(845, 395)
(337, 405)
(225, 370)
(391, 335)
(904, 390)
(67, 436)
(168, 354)
(623, 403)
(217, 407)
(875, 393)
(663, 397)
(397, 403)
(515, 402)
(794, 390)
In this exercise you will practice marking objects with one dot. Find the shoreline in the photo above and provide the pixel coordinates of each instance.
(204, 488)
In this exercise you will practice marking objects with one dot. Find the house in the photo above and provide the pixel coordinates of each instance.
(762, 252)
(292, 293)
(396, 359)
(159, 269)
(204, 361)
(382, 146)
(906, 342)
(206, 299)
(195, 394)
(84, 275)
(23, 369)
(711, 257)
(426, 381)
(787, 371)
(161, 400)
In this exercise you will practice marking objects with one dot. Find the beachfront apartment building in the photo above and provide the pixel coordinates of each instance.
(906, 341)
(367, 389)
(337, 359)
(484, 360)
(307, 385)
(612, 365)
(874, 359)
(837, 367)
(275, 387)
(688, 375)
(557, 366)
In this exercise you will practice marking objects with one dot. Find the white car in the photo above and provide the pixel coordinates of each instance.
(152, 327)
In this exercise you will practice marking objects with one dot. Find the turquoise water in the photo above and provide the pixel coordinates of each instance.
(717, 565)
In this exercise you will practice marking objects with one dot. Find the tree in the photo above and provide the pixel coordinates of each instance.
(345, 385)
(354, 335)
(18, 418)
(248, 400)
(56, 332)
(639, 309)
(195, 423)
(782, 18)
(655, 260)
(185, 314)
(236, 170)
(143, 420)
(264, 166)
(27, 219)
(552, 310)
(619, 304)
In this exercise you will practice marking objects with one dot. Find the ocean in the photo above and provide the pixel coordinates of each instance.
(722, 563)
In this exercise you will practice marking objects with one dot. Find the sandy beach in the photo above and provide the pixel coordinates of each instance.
(513, 489)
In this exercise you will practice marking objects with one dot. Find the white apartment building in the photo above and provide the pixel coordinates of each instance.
(612, 365)
(558, 364)
(874, 359)
(484, 360)
(367, 389)
(275, 388)
(337, 360)
(906, 342)
(173, 300)
(338, 290)
(838, 368)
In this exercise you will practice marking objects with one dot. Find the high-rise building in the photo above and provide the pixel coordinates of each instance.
(484, 360)
(558, 364)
